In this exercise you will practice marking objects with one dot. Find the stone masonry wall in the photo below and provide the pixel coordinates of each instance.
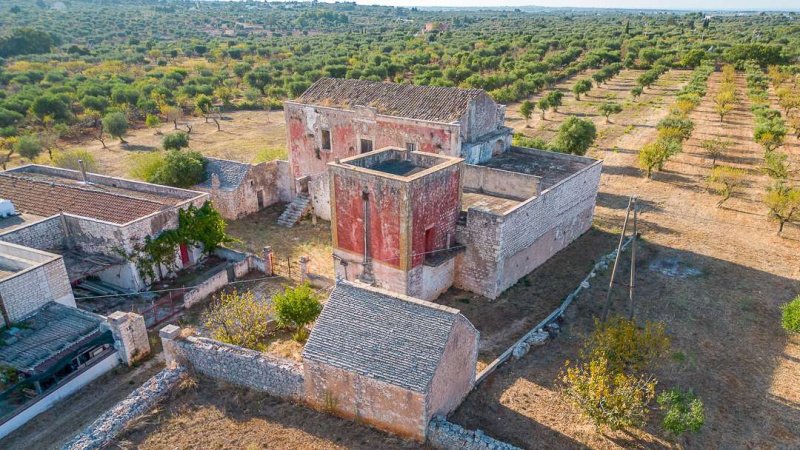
(47, 234)
(27, 291)
(449, 436)
(243, 367)
(113, 422)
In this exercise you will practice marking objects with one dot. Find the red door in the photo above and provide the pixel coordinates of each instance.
(430, 235)
(184, 255)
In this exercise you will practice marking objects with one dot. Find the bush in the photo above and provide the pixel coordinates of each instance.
(152, 121)
(608, 398)
(176, 141)
(626, 346)
(297, 307)
(180, 169)
(790, 316)
(520, 140)
(143, 166)
(69, 160)
(683, 411)
(238, 319)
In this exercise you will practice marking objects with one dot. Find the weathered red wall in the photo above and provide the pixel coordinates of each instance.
(385, 208)
(396, 133)
(434, 202)
(347, 127)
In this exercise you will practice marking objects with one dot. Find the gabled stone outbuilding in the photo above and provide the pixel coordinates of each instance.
(389, 360)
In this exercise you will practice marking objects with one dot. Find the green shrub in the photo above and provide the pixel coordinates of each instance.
(176, 141)
(28, 147)
(575, 136)
(69, 160)
(790, 318)
(297, 307)
(520, 140)
(152, 121)
(683, 411)
(143, 166)
(625, 345)
(180, 169)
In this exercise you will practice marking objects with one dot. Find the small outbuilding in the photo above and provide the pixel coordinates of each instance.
(388, 360)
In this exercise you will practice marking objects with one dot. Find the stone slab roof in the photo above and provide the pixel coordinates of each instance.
(432, 103)
(53, 330)
(47, 198)
(231, 173)
(388, 337)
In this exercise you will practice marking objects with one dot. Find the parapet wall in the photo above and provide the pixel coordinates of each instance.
(502, 183)
(240, 366)
(47, 234)
(502, 248)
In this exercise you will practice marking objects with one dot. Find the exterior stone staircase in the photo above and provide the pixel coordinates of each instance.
(295, 211)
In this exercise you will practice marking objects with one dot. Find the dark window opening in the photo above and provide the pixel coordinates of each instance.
(326, 139)
(410, 146)
(366, 145)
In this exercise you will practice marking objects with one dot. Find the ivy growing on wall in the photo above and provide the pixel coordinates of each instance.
(200, 227)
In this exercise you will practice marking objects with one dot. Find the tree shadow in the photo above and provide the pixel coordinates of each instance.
(727, 344)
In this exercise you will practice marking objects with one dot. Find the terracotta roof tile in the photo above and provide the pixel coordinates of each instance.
(433, 103)
(49, 198)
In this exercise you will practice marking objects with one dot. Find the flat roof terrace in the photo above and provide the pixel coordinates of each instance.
(551, 167)
(397, 163)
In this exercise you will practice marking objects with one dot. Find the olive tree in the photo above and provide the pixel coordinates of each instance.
(116, 124)
(575, 136)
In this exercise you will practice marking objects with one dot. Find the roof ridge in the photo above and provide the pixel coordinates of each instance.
(403, 297)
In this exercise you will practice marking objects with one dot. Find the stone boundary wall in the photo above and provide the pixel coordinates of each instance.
(206, 288)
(449, 436)
(276, 376)
(113, 422)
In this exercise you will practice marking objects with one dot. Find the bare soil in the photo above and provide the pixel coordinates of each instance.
(215, 415)
(288, 244)
(716, 276)
(53, 428)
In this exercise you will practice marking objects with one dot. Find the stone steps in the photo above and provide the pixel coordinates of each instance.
(295, 211)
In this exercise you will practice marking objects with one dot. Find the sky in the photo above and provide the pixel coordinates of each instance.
(649, 4)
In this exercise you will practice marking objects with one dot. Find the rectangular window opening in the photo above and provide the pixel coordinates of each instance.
(366, 145)
(326, 139)
(411, 146)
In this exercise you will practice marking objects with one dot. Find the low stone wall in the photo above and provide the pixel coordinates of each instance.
(114, 421)
(206, 288)
(236, 365)
(449, 436)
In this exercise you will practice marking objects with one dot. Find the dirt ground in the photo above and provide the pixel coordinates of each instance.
(51, 429)
(715, 276)
(214, 415)
(304, 239)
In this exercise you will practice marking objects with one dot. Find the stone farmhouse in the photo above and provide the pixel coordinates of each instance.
(238, 189)
(425, 191)
(338, 118)
(89, 220)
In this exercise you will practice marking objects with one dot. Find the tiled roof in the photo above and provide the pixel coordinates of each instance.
(433, 103)
(395, 339)
(231, 173)
(51, 331)
(45, 199)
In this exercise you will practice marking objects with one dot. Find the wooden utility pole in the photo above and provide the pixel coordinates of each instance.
(633, 264)
(616, 260)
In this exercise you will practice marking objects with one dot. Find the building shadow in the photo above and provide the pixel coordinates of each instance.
(728, 346)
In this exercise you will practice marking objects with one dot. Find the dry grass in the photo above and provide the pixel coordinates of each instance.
(216, 415)
(246, 136)
(715, 276)
(304, 239)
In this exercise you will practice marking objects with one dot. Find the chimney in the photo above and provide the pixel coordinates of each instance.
(83, 171)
